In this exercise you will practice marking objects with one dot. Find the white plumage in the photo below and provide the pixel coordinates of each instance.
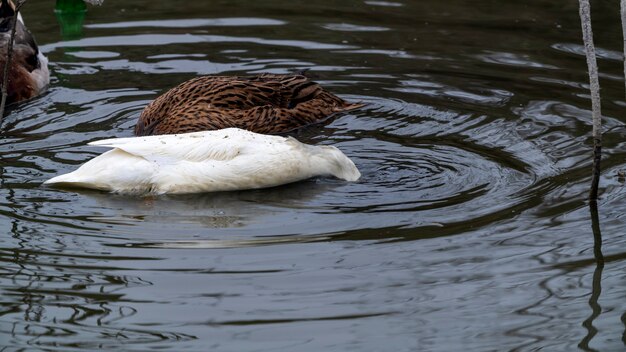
(222, 160)
(41, 75)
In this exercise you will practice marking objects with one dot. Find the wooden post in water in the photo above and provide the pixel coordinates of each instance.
(594, 88)
(7, 65)
(623, 15)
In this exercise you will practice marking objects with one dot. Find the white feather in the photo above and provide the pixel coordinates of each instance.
(222, 160)
(41, 75)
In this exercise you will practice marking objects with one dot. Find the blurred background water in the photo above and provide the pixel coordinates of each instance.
(469, 229)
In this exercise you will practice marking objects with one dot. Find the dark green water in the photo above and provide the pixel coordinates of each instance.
(469, 230)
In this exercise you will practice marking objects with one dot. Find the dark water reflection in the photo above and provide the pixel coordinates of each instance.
(468, 231)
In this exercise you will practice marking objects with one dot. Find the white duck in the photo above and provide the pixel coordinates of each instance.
(222, 160)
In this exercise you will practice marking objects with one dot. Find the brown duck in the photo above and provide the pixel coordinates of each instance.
(268, 103)
(28, 73)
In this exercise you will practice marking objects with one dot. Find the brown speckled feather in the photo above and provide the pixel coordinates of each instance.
(264, 104)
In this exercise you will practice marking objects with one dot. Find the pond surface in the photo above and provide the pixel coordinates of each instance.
(469, 229)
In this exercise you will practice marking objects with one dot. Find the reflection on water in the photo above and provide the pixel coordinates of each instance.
(596, 310)
(469, 229)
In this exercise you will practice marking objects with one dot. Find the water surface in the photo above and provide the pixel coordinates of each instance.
(469, 229)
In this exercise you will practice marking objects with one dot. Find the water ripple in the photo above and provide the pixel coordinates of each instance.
(474, 151)
(191, 23)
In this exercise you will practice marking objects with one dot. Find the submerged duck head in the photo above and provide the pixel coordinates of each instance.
(28, 74)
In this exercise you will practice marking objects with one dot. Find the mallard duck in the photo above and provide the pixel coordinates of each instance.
(28, 74)
(209, 161)
(267, 103)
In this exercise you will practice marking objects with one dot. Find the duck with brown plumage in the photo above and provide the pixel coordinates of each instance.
(28, 73)
(268, 103)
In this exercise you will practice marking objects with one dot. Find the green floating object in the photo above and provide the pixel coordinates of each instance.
(71, 15)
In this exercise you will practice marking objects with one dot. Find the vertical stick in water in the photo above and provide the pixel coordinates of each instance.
(594, 87)
(623, 13)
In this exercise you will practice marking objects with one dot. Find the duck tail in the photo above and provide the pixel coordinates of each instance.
(61, 179)
(349, 106)
(72, 179)
(93, 174)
